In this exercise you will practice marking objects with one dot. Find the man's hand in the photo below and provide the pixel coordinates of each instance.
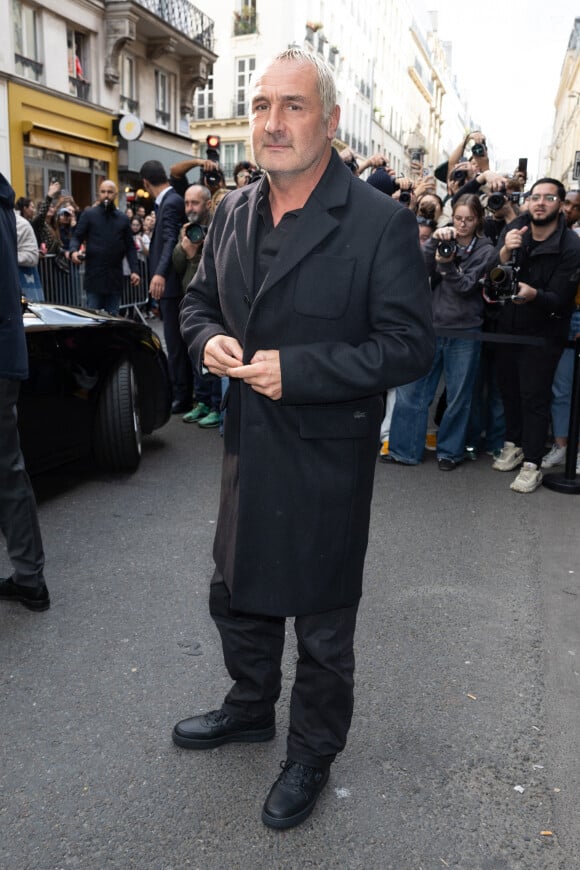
(512, 241)
(157, 286)
(525, 294)
(263, 374)
(74, 256)
(135, 279)
(222, 354)
(190, 249)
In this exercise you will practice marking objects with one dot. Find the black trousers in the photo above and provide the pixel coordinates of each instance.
(524, 375)
(18, 516)
(322, 698)
(179, 364)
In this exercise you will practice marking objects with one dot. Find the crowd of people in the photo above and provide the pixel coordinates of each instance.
(501, 381)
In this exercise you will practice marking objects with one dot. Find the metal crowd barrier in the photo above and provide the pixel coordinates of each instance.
(67, 287)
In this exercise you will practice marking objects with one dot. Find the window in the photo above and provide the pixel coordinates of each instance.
(232, 153)
(245, 68)
(162, 97)
(26, 51)
(128, 98)
(77, 59)
(203, 105)
(245, 20)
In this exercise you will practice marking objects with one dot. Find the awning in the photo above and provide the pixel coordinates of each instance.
(42, 136)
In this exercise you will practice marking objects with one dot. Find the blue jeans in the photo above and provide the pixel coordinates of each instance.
(458, 359)
(562, 385)
(486, 407)
(109, 302)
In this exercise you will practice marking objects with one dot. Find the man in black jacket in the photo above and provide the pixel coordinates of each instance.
(18, 517)
(108, 237)
(312, 297)
(548, 256)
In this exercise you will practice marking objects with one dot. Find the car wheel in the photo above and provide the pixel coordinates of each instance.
(117, 434)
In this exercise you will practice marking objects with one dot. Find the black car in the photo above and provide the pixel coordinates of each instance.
(96, 384)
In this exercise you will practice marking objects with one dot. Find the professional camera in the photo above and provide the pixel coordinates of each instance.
(446, 248)
(478, 150)
(496, 201)
(405, 197)
(502, 283)
(459, 175)
(195, 232)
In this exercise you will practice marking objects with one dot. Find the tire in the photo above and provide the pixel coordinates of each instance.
(117, 433)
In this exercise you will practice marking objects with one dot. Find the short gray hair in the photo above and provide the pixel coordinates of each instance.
(324, 75)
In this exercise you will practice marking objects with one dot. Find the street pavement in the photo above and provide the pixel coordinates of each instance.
(463, 751)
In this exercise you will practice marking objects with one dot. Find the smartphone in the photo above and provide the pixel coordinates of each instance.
(523, 165)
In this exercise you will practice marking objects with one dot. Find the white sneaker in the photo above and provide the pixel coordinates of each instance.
(529, 478)
(509, 458)
(556, 456)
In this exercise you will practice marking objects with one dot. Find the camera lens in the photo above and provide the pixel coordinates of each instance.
(195, 233)
(478, 150)
(495, 201)
(446, 247)
(405, 196)
(459, 175)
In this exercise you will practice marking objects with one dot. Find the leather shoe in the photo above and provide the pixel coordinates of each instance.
(181, 406)
(32, 597)
(216, 728)
(294, 794)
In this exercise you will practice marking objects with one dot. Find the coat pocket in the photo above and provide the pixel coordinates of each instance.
(323, 287)
(355, 420)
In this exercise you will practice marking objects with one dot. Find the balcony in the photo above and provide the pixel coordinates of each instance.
(128, 106)
(185, 18)
(28, 68)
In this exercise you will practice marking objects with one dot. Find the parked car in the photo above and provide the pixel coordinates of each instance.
(97, 383)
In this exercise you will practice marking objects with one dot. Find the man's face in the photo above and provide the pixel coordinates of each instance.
(544, 204)
(196, 205)
(571, 208)
(289, 135)
(107, 192)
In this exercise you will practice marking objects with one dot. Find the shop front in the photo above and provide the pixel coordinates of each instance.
(54, 138)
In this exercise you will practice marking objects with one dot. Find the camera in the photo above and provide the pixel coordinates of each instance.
(195, 232)
(502, 283)
(496, 201)
(405, 197)
(459, 175)
(478, 150)
(446, 248)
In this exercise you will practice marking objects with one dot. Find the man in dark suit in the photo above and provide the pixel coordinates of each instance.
(18, 516)
(312, 297)
(165, 284)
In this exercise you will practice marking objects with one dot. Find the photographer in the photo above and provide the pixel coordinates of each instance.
(455, 257)
(186, 258)
(546, 255)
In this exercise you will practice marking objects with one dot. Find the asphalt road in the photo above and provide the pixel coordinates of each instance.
(467, 683)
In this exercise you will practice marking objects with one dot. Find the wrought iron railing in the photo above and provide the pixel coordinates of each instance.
(184, 17)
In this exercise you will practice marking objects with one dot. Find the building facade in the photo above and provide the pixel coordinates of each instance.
(564, 154)
(71, 71)
(389, 77)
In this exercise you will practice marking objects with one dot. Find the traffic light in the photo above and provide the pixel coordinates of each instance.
(212, 150)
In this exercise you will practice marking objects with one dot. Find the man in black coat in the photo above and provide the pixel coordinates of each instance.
(165, 283)
(18, 516)
(547, 255)
(106, 231)
(312, 296)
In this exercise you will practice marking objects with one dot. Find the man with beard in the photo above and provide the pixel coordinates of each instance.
(107, 234)
(548, 256)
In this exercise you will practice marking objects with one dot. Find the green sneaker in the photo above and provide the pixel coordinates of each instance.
(212, 420)
(199, 410)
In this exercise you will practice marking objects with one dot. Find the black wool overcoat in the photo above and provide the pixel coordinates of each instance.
(348, 305)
